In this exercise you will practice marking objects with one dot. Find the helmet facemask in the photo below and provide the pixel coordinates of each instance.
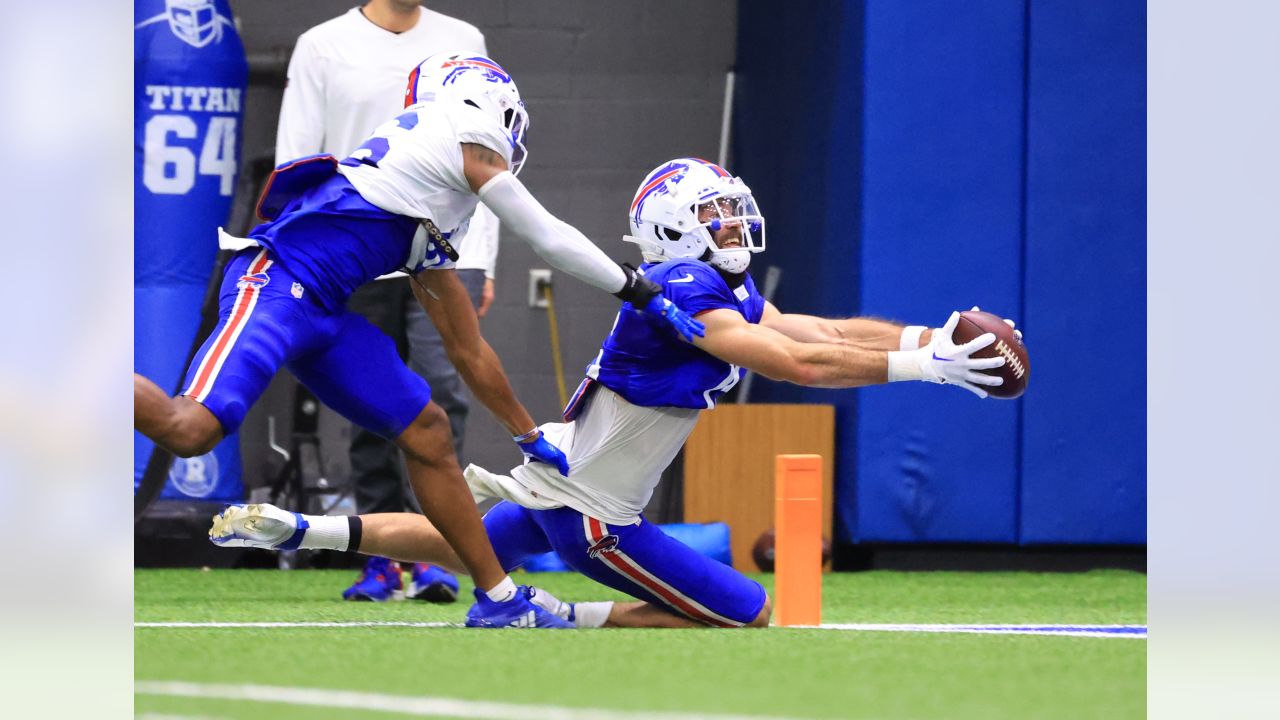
(516, 120)
(725, 213)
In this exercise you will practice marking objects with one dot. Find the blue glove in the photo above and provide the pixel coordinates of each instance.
(684, 324)
(537, 449)
(646, 295)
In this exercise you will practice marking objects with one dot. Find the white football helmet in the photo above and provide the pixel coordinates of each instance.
(682, 202)
(476, 81)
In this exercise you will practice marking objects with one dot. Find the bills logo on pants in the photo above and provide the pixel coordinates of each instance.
(621, 563)
(250, 286)
(606, 544)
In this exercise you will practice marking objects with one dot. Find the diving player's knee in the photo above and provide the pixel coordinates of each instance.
(193, 431)
(766, 612)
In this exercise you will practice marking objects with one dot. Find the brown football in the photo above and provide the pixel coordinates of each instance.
(1017, 366)
(764, 551)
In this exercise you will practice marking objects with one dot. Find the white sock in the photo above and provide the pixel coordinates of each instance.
(326, 533)
(591, 614)
(503, 591)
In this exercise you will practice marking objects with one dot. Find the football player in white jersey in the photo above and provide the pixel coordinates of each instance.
(346, 77)
(698, 227)
(398, 202)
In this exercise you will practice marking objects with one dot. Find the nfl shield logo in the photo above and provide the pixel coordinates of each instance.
(296, 290)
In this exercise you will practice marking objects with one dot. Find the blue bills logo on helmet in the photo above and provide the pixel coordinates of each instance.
(659, 182)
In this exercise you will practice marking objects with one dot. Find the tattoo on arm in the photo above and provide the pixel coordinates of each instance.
(483, 155)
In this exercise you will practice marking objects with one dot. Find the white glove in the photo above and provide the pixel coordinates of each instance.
(910, 339)
(1016, 332)
(944, 362)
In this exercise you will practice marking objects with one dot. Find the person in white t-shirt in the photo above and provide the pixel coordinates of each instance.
(346, 77)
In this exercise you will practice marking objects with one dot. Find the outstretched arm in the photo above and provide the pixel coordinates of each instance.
(446, 301)
(817, 364)
(554, 240)
(450, 309)
(775, 355)
(561, 244)
(864, 332)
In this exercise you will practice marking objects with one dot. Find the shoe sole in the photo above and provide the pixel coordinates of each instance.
(395, 595)
(434, 593)
(224, 524)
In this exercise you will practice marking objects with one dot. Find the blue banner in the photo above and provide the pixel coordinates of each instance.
(190, 75)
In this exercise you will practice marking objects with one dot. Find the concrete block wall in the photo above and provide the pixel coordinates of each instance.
(613, 89)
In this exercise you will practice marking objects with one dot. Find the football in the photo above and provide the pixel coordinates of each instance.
(1017, 366)
(764, 552)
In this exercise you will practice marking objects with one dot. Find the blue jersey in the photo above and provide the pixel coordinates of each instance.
(648, 364)
(330, 238)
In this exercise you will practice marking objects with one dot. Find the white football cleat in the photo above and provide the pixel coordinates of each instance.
(549, 602)
(260, 526)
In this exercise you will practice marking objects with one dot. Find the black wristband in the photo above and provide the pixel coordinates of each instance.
(638, 289)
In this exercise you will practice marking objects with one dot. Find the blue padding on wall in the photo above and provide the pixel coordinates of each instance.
(1084, 454)
(797, 131)
(941, 231)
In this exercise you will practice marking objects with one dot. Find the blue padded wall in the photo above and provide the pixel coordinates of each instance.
(918, 157)
(941, 230)
(1084, 435)
(797, 115)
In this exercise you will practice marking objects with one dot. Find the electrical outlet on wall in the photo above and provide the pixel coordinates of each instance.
(538, 279)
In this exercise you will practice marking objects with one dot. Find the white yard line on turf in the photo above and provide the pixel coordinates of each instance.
(408, 704)
(1132, 632)
(295, 624)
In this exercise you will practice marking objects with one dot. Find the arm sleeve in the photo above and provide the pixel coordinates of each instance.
(554, 240)
(301, 128)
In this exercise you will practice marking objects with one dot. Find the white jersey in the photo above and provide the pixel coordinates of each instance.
(347, 76)
(617, 452)
(412, 165)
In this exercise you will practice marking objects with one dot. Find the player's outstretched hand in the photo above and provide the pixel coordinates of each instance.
(645, 295)
(1016, 332)
(538, 449)
(952, 364)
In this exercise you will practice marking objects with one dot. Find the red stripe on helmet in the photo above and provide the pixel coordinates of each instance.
(653, 185)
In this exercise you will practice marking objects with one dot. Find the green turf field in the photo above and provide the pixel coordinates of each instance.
(777, 672)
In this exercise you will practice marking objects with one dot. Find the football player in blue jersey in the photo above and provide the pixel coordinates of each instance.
(697, 227)
(400, 201)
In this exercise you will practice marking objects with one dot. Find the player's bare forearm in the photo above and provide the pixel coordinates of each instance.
(483, 373)
(774, 355)
(838, 366)
(449, 306)
(869, 333)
